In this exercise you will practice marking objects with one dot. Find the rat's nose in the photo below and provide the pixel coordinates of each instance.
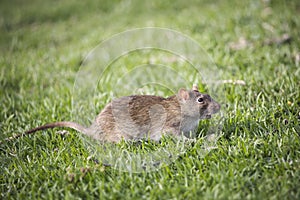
(217, 107)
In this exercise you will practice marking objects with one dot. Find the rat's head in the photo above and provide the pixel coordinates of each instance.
(197, 105)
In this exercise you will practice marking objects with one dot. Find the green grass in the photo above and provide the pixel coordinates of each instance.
(42, 44)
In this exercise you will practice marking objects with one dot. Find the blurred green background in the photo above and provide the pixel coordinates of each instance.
(42, 45)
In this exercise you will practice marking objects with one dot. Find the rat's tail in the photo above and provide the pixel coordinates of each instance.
(72, 125)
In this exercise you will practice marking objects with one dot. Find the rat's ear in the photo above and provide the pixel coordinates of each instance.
(183, 94)
(195, 87)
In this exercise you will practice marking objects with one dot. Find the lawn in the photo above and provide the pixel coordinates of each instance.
(44, 46)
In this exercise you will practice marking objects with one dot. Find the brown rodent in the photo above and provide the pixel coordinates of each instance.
(146, 116)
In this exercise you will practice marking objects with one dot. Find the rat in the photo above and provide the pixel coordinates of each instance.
(145, 116)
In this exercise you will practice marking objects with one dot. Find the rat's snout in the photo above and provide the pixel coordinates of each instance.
(209, 108)
(215, 107)
(218, 106)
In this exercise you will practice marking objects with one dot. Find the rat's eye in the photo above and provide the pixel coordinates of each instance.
(200, 100)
